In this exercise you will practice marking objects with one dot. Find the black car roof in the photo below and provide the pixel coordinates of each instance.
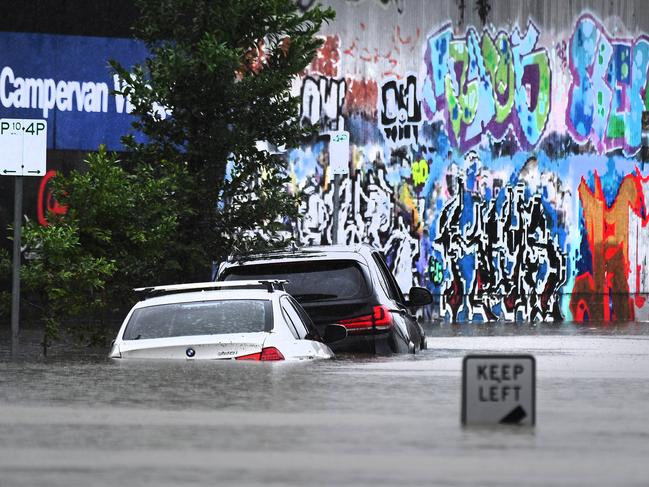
(355, 252)
(358, 253)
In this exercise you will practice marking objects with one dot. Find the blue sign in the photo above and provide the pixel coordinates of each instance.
(67, 81)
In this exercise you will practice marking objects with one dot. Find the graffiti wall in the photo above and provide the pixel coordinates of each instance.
(496, 156)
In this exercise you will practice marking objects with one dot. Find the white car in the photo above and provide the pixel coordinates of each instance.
(243, 320)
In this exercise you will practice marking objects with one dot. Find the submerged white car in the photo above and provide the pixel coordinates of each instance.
(243, 320)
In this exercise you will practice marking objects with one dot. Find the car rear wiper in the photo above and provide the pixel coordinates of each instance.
(313, 296)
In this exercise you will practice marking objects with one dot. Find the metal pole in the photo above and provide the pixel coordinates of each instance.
(336, 208)
(15, 287)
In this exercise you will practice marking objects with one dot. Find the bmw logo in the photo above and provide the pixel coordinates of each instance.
(190, 352)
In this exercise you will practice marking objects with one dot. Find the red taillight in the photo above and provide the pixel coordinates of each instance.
(381, 318)
(271, 353)
(267, 354)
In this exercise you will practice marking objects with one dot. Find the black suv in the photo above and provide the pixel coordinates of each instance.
(351, 286)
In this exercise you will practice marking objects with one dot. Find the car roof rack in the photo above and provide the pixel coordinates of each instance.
(302, 251)
(269, 285)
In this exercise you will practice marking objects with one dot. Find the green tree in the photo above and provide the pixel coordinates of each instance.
(194, 187)
(113, 237)
(223, 73)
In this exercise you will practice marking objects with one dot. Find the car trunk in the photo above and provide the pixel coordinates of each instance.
(324, 313)
(328, 289)
(206, 347)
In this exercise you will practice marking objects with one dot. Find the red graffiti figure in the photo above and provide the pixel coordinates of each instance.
(327, 58)
(46, 202)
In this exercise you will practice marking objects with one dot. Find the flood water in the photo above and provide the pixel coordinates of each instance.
(82, 420)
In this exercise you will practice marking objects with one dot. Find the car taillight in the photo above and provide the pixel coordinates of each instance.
(271, 353)
(381, 318)
(266, 355)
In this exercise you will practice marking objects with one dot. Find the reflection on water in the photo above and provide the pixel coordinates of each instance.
(526, 328)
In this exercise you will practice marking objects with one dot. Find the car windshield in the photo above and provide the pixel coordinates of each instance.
(200, 318)
(309, 281)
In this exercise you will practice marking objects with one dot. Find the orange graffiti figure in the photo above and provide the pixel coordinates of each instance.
(604, 294)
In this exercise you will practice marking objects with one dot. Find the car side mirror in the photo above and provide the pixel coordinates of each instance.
(419, 296)
(334, 333)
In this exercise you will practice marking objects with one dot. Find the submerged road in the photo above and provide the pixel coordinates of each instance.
(353, 421)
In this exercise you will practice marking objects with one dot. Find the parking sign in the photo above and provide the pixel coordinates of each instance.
(23, 147)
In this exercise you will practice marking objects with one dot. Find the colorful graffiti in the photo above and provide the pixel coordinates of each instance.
(488, 85)
(419, 172)
(322, 102)
(499, 168)
(385, 60)
(503, 259)
(366, 214)
(327, 58)
(608, 92)
(400, 111)
(602, 292)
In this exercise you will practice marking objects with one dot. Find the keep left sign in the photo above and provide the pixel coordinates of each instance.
(23, 147)
(499, 389)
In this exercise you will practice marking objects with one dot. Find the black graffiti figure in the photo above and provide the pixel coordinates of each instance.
(400, 110)
(517, 262)
(484, 238)
(451, 240)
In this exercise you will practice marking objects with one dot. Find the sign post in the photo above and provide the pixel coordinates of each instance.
(15, 278)
(499, 389)
(23, 152)
(338, 165)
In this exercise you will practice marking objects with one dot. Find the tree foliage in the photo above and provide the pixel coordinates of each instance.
(192, 186)
(114, 236)
(217, 81)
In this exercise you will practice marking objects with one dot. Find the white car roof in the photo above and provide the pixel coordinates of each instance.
(181, 293)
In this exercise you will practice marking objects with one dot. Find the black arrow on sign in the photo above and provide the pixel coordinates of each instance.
(34, 172)
(5, 171)
(515, 416)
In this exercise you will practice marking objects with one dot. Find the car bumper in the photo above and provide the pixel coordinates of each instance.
(375, 343)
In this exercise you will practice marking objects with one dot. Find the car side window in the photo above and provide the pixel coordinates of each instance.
(312, 331)
(383, 281)
(392, 287)
(293, 318)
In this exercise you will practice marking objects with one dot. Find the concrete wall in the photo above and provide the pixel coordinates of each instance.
(500, 165)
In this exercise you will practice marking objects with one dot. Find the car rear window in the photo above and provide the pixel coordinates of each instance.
(309, 281)
(200, 318)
